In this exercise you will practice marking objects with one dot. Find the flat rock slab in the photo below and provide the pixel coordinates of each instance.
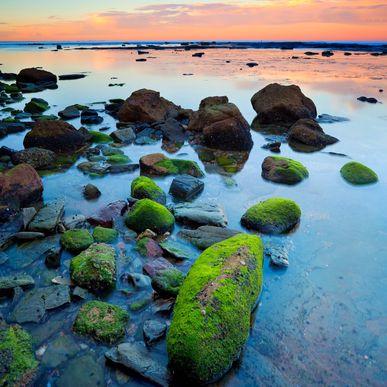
(59, 351)
(205, 236)
(48, 217)
(140, 360)
(200, 214)
(13, 281)
(186, 187)
(176, 249)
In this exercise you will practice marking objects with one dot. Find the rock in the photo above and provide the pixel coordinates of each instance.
(283, 170)
(124, 136)
(74, 221)
(174, 135)
(367, 99)
(11, 128)
(221, 125)
(252, 64)
(105, 235)
(147, 214)
(147, 106)
(3, 258)
(52, 259)
(155, 266)
(272, 216)
(91, 192)
(328, 119)
(200, 214)
(176, 249)
(102, 321)
(94, 168)
(19, 280)
(58, 136)
(6, 151)
(205, 236)
(327, 53)
(70, 77)
(75, 240)
(69, 113)
(106, 215)
(95, 268)
(48, 217)
(138, 281)
(278, 256)
(59, 350)
(168, 282)
(309, 132)
(273, 146)
(282, 105)
(145, 188)
(358, 174)
(91, 117)
(148, 247)
(38, 158)
(28, 214)
(36, 105)
(186, 187)
(156, 164)
(20, 185)
(153, 331)
(123, 168)
(198, 54)
(81, 293)
(213, 306)
(40, 78)
(28, 235)
(17, 361)
(136, 358)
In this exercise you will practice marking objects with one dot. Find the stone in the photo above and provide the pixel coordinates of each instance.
(59, 351)
(138, 281)
(105, 235)
(28, 214)
(124, 136)
(153, 331)
(48, 217)
(328, 119)
(186, 187)
(19, 280)
(28, 235)
(106, 216)
(69, 113)
(52, 259)
(148, 247)
(41, 78)
(91, 192)
(70, 77)
(358, 174)
(74, 221)
(145, 188)
(168, 282)
(90, 117)
(200, 214)
(155, 266)
(176, 249)
(278, 256)
(367, 99)
(38, 158)
(36, 106)
(76, 240)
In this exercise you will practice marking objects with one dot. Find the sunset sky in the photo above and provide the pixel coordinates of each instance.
(192, 20)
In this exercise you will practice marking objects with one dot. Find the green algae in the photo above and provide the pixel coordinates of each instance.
(145, 188)
(104, 235)
(168, 282)
(100, 138)
(358, 174)
(76, 240)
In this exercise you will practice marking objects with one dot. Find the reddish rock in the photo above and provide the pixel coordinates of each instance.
(148, 164)
(156, 266)
(105, 216)
(149, 248)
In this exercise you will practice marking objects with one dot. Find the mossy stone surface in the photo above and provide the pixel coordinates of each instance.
(272, 216)
(104, 235)
(17, 360)
(36, 105)
(283, 170)
(145, 188)
(95, 268)
(148, 214)
(358, 174)
(100, 138)
(118, 159)
(211, 318)
(180, 167)
(102, 321)
(76, 240)
(168, 282)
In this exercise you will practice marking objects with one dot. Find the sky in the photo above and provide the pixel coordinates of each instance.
(159, 20)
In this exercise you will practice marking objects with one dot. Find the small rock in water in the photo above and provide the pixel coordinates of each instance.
(186, 187)
(251, 64)
(91, 192)
(153, 331)
(28, 235)
(273, 146)
(48, 218)
(367, 99)
(328, 119)
(52, 259)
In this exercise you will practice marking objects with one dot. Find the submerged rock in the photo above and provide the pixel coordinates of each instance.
(76, 241)
(176, 249)
(38, 158)
(153, 331)
(272, 216)
(168, 282)
(48, 217)
(148, 247)
(69, 113)
(186, 187)
(59, 350)
(200, 214)
(145, 188)
(358, 174)
(13, 281)
(227, 294)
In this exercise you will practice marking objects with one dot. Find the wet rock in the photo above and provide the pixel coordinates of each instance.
(36, 105)
(205, 236)
(38, 158)
(147, 106)
(105, 235)
(136, 358)
(90, 117)
(138, 281)
(328, 119)
(48, 217)
(106, 215)
(81, 293)
(58, 136)
(41, 79)
(11, 128)
(367, 99)
(69, 113)
(6, 151)
(198, 54)
(28, 235)
(283, 170)
(91, 192)
(148, 247)
(153, 331)
(155, 266)
(186, 187)
(74, 221)
(75, 240)
(358, 174)
(59, 351)
(252, 64)
(176, 249)
(273, 146)
(124, 136)
(94, 167)
(145, 188)
(200, 214)
(282, 105)
(174, 135)
(19, 280)
(70, 77)
(221, 125)
(278, 256)
(52, 259)
(124, 168)
(327, 53)
(168, 282)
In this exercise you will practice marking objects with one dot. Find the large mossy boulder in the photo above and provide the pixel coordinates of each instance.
(76, 240)
(358, 174)
(17, 360)
(148, 214)
(102, 321)
(283, 170)
(145, 188)
(272, 216)
(211, 318)
(95, 268)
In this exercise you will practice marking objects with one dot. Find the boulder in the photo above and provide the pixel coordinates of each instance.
(76, 240)
(282, 105)
(283, 170)
(41, 78)
(145, 188)
(58, 136)
(221, 125)
(36, 106)
(91, 192)
(69, 113)
(186, 187)
(155, 266)
(212, 314)
(200, 214)
(48, 217)
(358, 174)
(147, 106)
(39, 158)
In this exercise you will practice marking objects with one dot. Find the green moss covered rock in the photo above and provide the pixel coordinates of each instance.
(104, 235)
(36, 105)
(102, 321)
(95, 268)
(273, 216)
(99, 137)
(211, 318)
(168, 282)
(17, 360)
(357, 173)
(76, 240)
(145, 188)
(147, 214)
(283, 170)
(118, 159)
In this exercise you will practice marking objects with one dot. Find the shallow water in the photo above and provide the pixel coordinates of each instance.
(321, 321)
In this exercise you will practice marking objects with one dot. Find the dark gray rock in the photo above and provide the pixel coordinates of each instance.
(200, 214)
(13, 281)
(69, 77)
(28, 215)
(52, 259)
(28, 235)
(153, 331)
(90, 117)
(69, 113)
(328, 119)
(176, 249)
(91, 192)
(186, 187)
(59, 351)
(124, 136)
(48, 217)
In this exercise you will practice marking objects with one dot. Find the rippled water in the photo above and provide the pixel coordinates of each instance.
(324, 319)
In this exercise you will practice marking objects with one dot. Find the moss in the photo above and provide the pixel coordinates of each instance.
(139, 304)
(102, 321)
(11, 88)
(147, 214)
(95, 268)
(273, 216)
(17, 361)
(284, 170)
(211, 318)
(118, 159)
(179, 167)
(141, 246)
(100, 138)
(357, 173)
(168, 282)
(76, 240)
(105, 235)
(145, 188)
(36, 105)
